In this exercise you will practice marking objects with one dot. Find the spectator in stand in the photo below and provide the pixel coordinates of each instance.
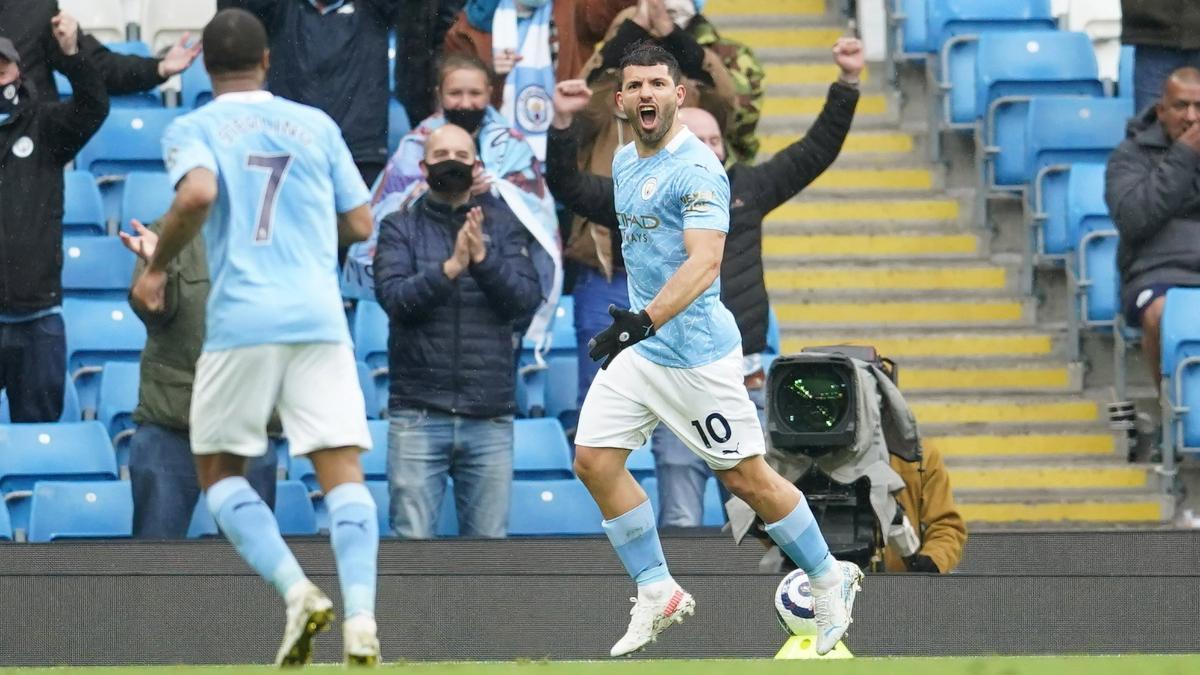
(1151, 194)
(333, 55)
(529, 45)
(596, 256)
(454, 275)
(419, 37)
(755, 190)
(39, 136)
(162, 469)
(1166, 35)
(32, 26)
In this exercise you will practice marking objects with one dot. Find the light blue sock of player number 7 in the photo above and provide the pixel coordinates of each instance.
(634, 535)
(252, 529)
(799, 536)
(354, 533)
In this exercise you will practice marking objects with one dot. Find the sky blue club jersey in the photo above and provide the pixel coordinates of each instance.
(681, 187)
(283, 174)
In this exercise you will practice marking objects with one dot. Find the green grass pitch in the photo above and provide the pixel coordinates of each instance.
(1058, 665)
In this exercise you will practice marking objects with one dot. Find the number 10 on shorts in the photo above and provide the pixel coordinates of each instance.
(715, 427)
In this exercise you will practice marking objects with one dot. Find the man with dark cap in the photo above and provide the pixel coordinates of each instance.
(38, 136)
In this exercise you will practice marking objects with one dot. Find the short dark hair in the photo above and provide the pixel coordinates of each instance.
(452, 62)
(234, 41)
(646, 53)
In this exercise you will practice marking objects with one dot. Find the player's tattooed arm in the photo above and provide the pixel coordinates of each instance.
(705, 250)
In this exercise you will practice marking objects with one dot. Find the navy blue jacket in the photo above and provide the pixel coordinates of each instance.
(336, 61)
(451, 345)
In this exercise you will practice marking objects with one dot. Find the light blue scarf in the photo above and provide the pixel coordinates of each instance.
(528, 89)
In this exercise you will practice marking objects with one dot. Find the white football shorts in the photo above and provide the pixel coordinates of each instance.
(314, 386)
(708, 408)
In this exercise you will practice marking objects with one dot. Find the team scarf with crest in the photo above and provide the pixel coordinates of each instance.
(529, 88)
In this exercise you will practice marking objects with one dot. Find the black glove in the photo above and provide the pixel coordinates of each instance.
(922, 563)
(627, 329)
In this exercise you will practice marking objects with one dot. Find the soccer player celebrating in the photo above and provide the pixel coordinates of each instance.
(276, 190)
(672, 203)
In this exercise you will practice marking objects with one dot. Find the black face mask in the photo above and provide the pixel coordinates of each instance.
(450, 176)
(469, 119)
(11, 97)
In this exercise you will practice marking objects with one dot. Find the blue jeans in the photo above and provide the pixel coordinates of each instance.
(682, 474)
(427, 446)
(33, 368)
(162, 474)
(593, 294)
(1151, 68)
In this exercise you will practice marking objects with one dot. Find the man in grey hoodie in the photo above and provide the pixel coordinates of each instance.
(1153, 194)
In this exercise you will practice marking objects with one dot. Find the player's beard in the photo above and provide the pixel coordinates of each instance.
(666, 119)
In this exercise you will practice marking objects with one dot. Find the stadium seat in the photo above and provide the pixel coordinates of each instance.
(301, 469)
(294, 509)
(370, 329)
(73, 510)
(1095, 240)
(552, 507)
(1011, 67)
(71, 412)
(96, 266)
(714, 510)
(1125, 79)
(129, 140)
(562, 385)
(641, 461)
(1101, 20)
(118, 398)
(951, 18)
(83, 208)
(147, 197)
(6, 531)
(911, 24)
(195, 85)
(375, 410)
(540, 449)
(99, 330)
(56, 451)
(398, 124)
(164, 23)
(562, 330)
(105, 20)
(374, 461)
(1181, 368)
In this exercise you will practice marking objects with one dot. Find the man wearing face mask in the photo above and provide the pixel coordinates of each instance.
(454, 275)
(38, 136)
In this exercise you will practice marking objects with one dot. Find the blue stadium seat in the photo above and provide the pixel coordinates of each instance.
(398, 124)
(129, 140)
(912, 25)
(301, 469)
(71, 412)
(96, 266)
(1125, 80)
(1086, 209)
(375, 410)
(147, 197)
(117, 399)
(74, 510)
(1181, 367)
(714, 510)
(950, 18)
(374, 461)
(6, 533)
(371, 335)
(562, 330)
(57, 451)
(562, 385)
(641, 461)
(83, 208)
(552, 507)
(540, 449)
(1015, 66)
(99, 330)
(202, 523)
(1095, 240)
(195, 85)
(379, 492)
(294, 509)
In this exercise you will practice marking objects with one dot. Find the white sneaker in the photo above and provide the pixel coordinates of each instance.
(652, 615)
(308, 612)
(833, 607)
(360, 641)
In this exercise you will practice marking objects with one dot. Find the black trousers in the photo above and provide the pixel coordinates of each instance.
(33, 368)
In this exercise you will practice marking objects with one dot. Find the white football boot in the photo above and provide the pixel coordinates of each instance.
(834, 606)
(360, 641)
(309, 611)
(652, 614)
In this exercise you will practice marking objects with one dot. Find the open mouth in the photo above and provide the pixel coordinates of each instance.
(648, 116)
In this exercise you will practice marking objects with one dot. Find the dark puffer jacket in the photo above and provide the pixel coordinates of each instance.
(755, 191)
(451, 345)
(1161, 23)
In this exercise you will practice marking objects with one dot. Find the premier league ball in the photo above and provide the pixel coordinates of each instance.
(794, 605)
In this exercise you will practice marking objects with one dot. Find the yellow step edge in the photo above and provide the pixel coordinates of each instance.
(781, 106)
(1099, 512)
(856, 143)
(965, 345)
(806, 73)
(716, 8)
(1046, 478)
(898, 312)
(1022, 445)
(815, 210)
(785, 38)
(947, 412)
(868, 245)
(916, 378)
(875, 179)
(907, 278)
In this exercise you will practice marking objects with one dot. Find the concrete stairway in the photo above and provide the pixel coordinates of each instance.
(879, 252)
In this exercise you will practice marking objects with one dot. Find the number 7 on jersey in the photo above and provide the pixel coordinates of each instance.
(277, 165)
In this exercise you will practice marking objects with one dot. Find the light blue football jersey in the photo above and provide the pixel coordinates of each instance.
(681, 187)
(283, 173)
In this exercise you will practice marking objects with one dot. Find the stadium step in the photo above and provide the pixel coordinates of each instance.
(723, 10)
(898, 311)
(1064, 507)
(821, 73)
(864, 211)
(1023, 446)
(980, 477)
(1029, 377)
(897, 277)
(990, 344)
(940, 416)
(862, 148)
(866, 180)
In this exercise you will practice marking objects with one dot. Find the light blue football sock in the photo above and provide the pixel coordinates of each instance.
(252, 529)
(800, 538)
(634, 535)
(354, 533)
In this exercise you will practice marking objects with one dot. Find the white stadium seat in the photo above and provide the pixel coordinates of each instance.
(163, 22)
(104, 19)
(1101, 20)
